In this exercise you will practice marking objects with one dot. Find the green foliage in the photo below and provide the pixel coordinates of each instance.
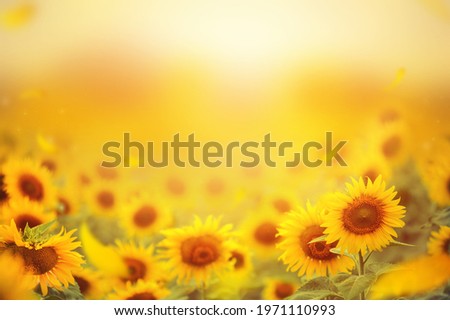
(343, 285)
(38, 234)
(441, 218)
(317, 289)
(70, 293)
(352, 287)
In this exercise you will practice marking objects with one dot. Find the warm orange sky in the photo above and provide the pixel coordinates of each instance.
(223, 69)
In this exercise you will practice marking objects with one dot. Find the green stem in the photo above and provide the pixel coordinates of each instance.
(203, 291)
(361, 272)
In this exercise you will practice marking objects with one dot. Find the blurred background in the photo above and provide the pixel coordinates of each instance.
(74, 75)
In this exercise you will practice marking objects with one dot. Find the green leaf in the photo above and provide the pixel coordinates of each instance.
(70, 293)
(319, 283)
(319, 239)
(317, 289)
(402, 244)
(353, 286)
(379, 268)
(315, 295)
(38, 234)
(340, 277)
(345, 253)
(441, 218)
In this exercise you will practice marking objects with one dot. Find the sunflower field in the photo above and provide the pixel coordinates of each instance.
(377, 227)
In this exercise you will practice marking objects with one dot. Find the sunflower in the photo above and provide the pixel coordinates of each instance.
(439, 242)
(435, 172)
(51, 259)
(27, 179)
(4, 196)
(260, 232)
(281, 202)
(391, 140)
(417, 276)
(90, 282)
(140, 290)
(241, 259)
(104, 199)
(15, 282)
(140, 262)
(303, 257)
(369, 167)
(197, 252)
(364, 217)
(414, 277)
(25, 212)
(68, 203)
(143, 216)
(235, 283)
(278, 289)
(176, 186)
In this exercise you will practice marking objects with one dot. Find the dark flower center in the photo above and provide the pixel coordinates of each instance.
(106, 199)
(83, 284)
(37, 261)
(31, 187)
(391, 146)
(136, 269)
(281, 205)
(142, 296)
(266, 233)
(145, 216)
(364, 215)
(23, 219)
(283, 290)
(4, 197)
(50, 165)
(200, 251)
(239, 260)
(64, 207)
(176, 187)
(316, 250)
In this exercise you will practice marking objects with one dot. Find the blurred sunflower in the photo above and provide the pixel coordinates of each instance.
(68, 203)
(90, 282)
(364, 217)
(260, 232)
(140, 262)
(197, 252)
(175, 186)
(15, 282)
(241, 259)
(108, 173)
(392, 141)
(369, 167)
(236, 282)
(4, 196)
(25, 212)
(141, 290)
(27, 179)
(104, 199)
(281, 202)
(278, 289)
(50, 258)
(439, 242)
(51, 164)
(143, 216)
(414, 276)
(434, 169)
(303, 257)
